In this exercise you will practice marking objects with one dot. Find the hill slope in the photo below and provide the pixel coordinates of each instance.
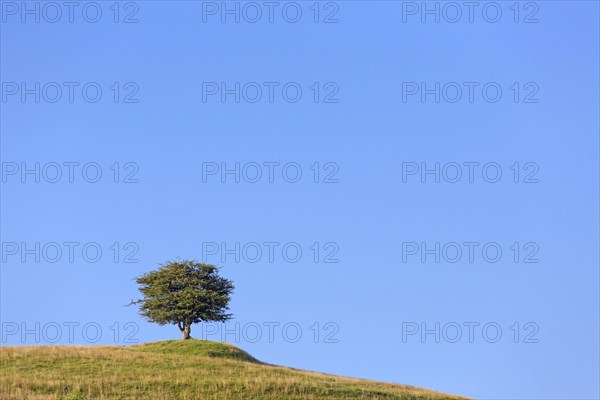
(175, 369)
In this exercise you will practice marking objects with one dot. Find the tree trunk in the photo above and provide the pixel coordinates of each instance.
(187, 328)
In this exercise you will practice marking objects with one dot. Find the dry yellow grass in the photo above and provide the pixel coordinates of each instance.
(151, 372)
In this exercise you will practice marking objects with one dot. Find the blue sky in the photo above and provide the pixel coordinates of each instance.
(363, 123)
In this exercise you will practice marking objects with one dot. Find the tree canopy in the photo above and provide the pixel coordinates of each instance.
(184, 292)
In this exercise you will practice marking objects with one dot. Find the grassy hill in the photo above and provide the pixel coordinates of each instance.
(174, 369)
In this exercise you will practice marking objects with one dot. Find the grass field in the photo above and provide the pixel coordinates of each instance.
(169, 370)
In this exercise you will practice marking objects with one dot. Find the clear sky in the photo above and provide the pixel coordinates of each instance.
(401, 129)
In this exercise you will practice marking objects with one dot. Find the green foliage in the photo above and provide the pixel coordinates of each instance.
(184, 293)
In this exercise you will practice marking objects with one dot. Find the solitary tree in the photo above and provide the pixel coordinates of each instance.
(184, 293)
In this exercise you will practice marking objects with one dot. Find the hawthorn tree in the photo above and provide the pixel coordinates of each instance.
(184, 292)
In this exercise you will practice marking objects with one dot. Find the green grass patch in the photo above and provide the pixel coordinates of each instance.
(196, 347)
